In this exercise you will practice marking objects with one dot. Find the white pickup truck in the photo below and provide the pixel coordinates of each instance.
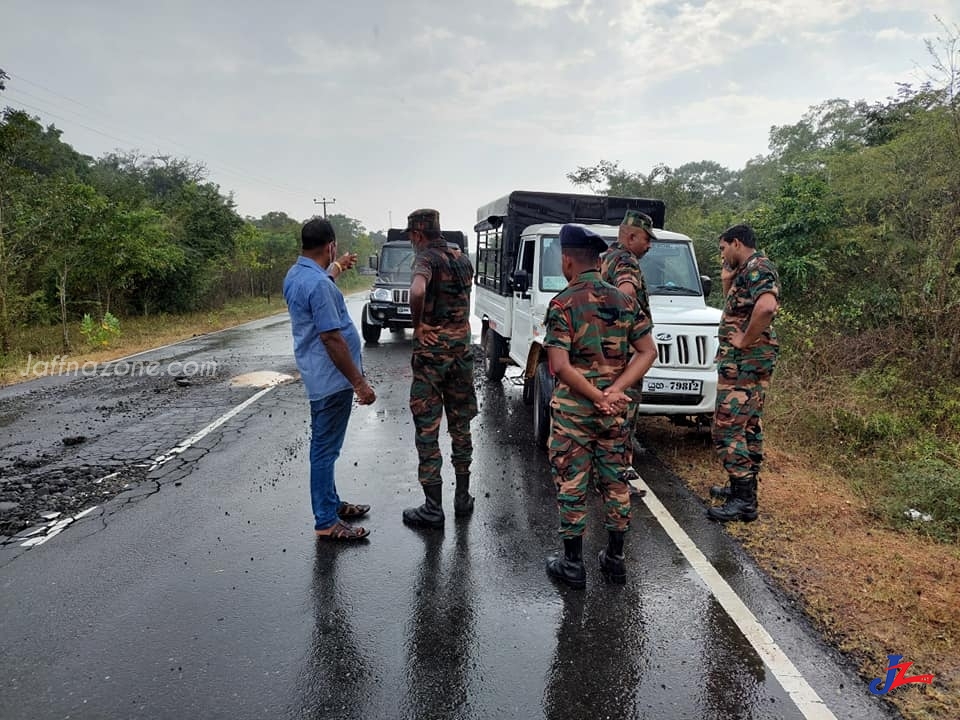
(518, 272)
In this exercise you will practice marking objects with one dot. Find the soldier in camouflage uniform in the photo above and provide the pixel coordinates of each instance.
(442, 366)
(598, 345)
(620, 266)
(746, 357)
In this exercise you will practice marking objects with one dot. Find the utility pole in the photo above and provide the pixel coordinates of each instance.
(324, 202)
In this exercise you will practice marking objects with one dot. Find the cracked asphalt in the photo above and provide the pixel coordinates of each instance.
(195, 588)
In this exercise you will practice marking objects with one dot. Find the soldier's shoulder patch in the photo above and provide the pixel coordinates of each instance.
(754, 275)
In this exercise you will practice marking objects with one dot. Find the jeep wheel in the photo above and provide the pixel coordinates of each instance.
(542, 392)
(494, 349)
(371, 333)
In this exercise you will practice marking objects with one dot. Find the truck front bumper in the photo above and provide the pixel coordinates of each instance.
(662, 400)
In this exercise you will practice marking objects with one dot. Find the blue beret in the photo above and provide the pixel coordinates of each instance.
(578, 236)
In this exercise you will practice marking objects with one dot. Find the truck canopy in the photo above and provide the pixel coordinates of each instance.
(500, 223)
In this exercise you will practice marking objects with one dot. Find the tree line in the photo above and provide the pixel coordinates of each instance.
(857, 203)
(127, 234)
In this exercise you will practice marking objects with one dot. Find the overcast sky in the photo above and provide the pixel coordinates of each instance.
(391, 106)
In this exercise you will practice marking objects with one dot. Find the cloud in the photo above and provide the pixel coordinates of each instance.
(893, 34)
(543, 4)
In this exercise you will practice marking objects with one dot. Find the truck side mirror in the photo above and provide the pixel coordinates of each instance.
(707, 284)
(373, 262)
(520, 281)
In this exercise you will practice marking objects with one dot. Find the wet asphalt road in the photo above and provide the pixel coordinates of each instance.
(200, 592)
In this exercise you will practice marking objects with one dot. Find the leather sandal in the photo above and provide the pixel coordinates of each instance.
(351, 511)
(342, 531)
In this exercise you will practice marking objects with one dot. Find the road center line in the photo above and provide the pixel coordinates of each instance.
(786, 673)
(197, 437)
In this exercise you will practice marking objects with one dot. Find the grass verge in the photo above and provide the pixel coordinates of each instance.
(846, 457)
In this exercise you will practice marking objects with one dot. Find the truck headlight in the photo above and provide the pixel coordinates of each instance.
(381, 294)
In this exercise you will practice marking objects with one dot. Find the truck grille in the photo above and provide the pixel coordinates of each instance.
(686, 351)
(401, 297)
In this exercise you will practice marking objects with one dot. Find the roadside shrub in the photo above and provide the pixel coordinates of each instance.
(99, 334)
(931, 487)
(865, 431)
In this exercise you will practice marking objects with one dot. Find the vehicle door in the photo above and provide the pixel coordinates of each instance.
(522, 334)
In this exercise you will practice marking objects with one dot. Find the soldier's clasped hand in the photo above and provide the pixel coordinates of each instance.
(426, 334)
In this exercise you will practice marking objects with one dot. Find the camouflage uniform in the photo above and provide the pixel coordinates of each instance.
(443, 372)
(743, 376)
(619, 266)
(597, 325)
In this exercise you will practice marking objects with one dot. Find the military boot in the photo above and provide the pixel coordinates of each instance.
(430, 514)
(569, 569)
(721, 492)
(462, 499)
(742, 503)
(612, 563)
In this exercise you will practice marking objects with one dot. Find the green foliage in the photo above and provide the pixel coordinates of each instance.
(100, 334)
(864, 431)
(798, 229)
(929, 486)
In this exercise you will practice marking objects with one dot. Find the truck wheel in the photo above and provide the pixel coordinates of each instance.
(493, 350)
(527, 394)
(542, 392)
(371, 333)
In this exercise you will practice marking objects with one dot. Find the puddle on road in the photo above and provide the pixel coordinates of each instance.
(261, 379)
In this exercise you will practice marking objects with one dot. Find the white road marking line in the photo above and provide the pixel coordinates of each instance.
(786, 673)
(194, 439)
(58, 527)
(85, 512)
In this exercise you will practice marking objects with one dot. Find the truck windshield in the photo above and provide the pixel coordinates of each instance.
(668, 268)
(396, 264)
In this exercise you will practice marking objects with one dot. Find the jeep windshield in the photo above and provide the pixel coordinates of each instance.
(396, 264)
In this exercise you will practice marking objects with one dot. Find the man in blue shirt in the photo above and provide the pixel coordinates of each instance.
(327, 349)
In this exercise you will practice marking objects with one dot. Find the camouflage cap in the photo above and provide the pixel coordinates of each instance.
(423, 220)
(635, 218)
(578, 236)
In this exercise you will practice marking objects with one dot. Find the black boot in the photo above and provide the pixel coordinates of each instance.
(742, 503)
(612, 563)
(569, 568)
(430, 514)
(721, 492)
(462, 499)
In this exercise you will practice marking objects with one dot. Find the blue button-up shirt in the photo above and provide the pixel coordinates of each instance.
(316, 305)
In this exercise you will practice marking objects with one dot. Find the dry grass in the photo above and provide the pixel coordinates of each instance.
(871, 590)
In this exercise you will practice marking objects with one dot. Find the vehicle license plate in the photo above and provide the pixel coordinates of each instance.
(673, 387)
(403, 310)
